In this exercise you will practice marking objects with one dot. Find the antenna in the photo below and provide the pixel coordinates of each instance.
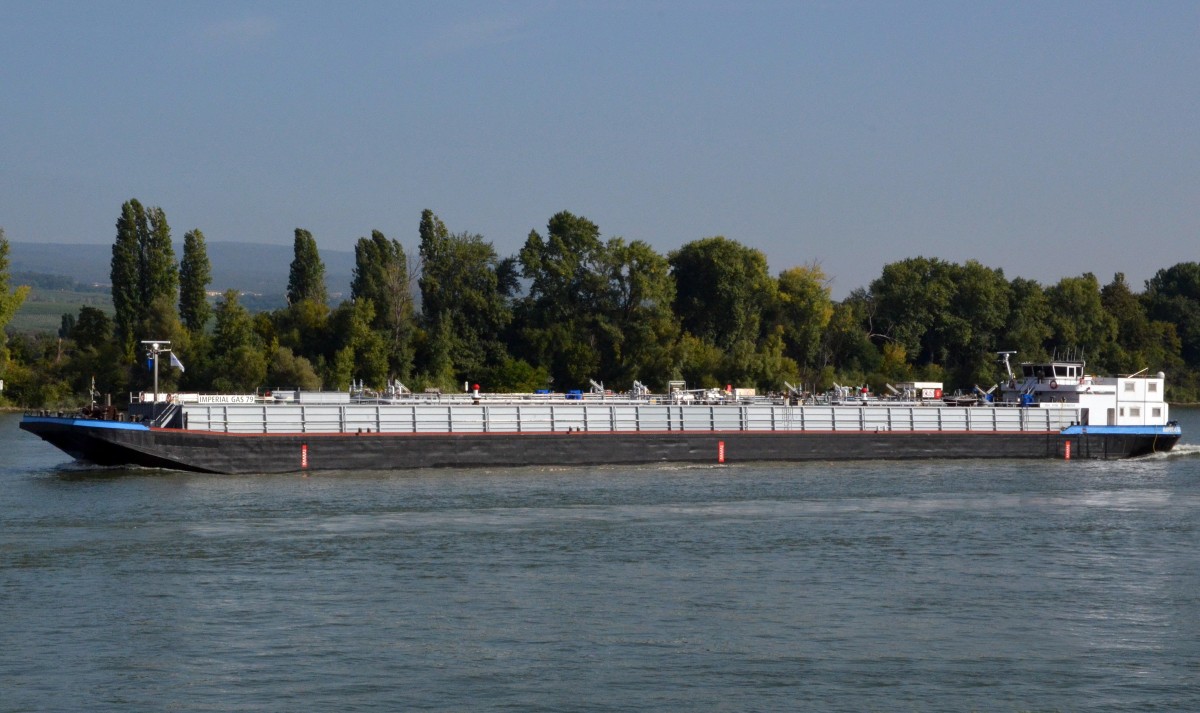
(154, 347)
(1004, 360)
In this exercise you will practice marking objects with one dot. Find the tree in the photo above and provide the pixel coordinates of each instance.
(381, 275)
(1078, 317)
(10, 301)
(241, 365)
(846, 346)
(635, 317)
(1173, 296)
(142, 269)
(360, 352)
(912, 299)
(195, 274)
(1027, 329)
(722, 290)
(803, 310)
(93, 329)
(125, 272)
(566, 285)
(435, 316)
(159, 273)
(464, 303)
(96, 359)
(975, 324)
(306, 279)
(288, 370)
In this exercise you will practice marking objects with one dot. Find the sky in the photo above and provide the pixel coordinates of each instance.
(1048, 139)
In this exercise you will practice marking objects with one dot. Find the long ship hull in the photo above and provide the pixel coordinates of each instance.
(281, 438)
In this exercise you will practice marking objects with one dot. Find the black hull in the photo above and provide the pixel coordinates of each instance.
(283, 453)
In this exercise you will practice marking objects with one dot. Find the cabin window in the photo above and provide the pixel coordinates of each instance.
(1152, 386)
(1156, 412)
(1060, 370)
(1135, 412)
(1122, 414)
(1129, 386)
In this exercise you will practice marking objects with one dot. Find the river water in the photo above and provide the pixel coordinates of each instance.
(927, 586)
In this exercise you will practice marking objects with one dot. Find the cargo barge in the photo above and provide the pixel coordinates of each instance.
(1047, 410)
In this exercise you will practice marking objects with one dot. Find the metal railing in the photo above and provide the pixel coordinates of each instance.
(599, 417)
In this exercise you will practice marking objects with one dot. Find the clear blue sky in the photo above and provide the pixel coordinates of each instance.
(1045, 138)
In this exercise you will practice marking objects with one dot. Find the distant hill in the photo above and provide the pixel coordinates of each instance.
(254, 268)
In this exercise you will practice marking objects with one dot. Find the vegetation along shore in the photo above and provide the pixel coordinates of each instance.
(571, 307)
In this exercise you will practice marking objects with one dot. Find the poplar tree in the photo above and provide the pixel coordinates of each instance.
(435, 316)
(143, 268)
(160, 273)
(125, 272)
(195, 274)
(306, 280)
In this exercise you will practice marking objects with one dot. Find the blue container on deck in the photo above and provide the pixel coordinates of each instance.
(1026, 399)
(575, 395)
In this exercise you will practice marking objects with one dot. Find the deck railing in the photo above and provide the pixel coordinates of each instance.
(563, 417)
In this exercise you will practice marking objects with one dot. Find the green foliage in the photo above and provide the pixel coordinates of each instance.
(1027, 329)
(803, 310)
(596, 310)
(143, 270)
(10, 301)
(634, 315)
(912, 298)
(700, 362)
(34, 376)
(160, 275)
(1173, 296)
(571, 306)
(195, 274)
(240, 364)
(846, 345)
(287, 370)
(360, 352)
(302, 327)
(465, 306)
(515, 376)
(944, 313)
(125, 272)
(1078, 317)
(381, 275)
(306, 278)
(558, 324)
(722, 290)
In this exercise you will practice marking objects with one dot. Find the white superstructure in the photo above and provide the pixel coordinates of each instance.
(1134, 400)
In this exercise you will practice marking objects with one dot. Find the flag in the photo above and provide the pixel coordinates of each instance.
(175, 362)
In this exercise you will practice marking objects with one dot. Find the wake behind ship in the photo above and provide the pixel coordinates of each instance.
(1046, 410)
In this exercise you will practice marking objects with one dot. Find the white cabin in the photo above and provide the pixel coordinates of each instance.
(1133, 400)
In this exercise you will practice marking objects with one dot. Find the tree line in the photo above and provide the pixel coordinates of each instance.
(571, 307)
